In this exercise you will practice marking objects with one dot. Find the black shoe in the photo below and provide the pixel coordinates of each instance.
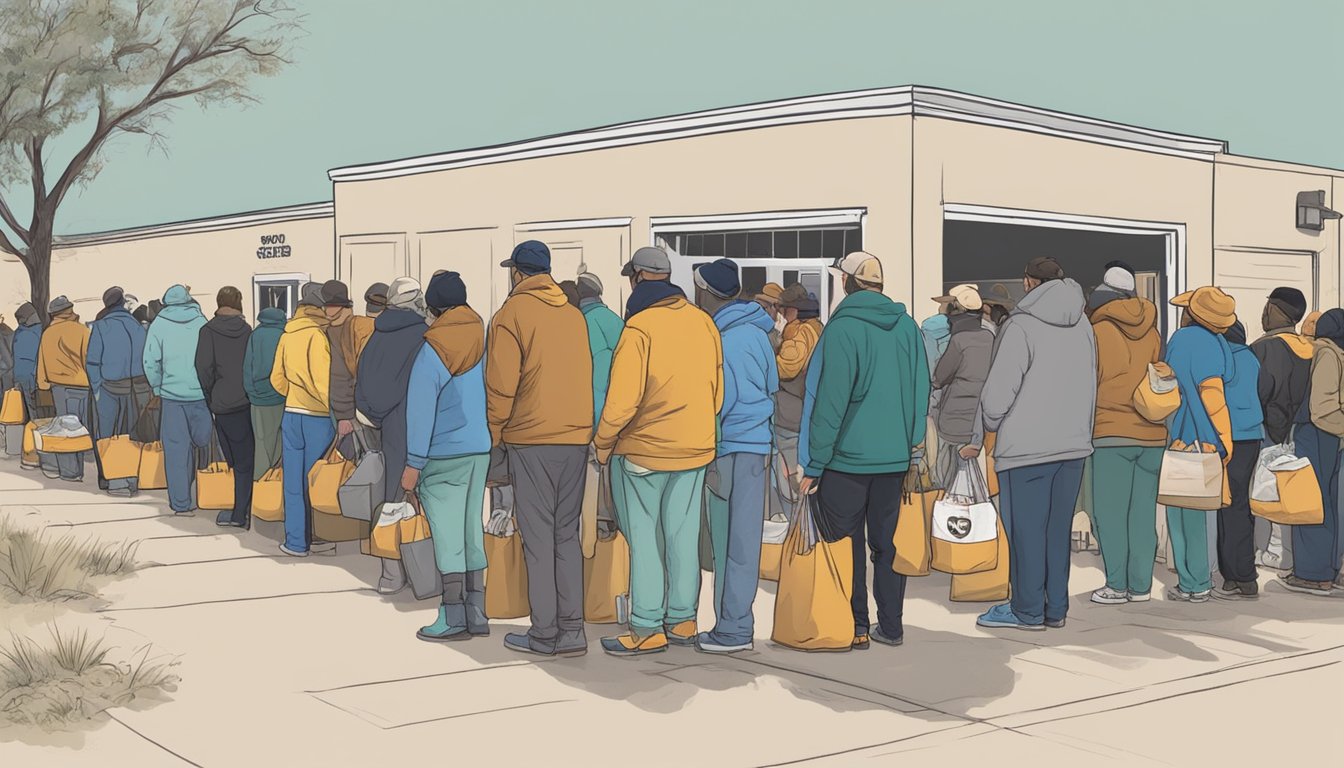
(1237, 590)
(1054, 623)
(521, 641)
(879, 637)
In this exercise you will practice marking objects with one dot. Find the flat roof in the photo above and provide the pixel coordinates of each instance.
(913, 100)
(325, 210)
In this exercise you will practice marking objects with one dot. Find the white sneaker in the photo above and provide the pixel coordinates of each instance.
(1177, 594)
(1108, 596)
(1140, 597)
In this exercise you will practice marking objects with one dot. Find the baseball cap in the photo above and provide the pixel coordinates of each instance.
(530, 257)
(648, 259)
(862, 266)
(1044, 268)
(965, 296)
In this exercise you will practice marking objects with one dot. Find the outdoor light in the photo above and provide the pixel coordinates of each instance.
(1311, 211)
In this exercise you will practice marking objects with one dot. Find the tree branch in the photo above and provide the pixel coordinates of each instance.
(8, 247)
(12, 221)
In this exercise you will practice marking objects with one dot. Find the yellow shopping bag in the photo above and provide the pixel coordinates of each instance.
(911, 540)
(11, 411)
(325, 480)
(816, 580)
(119, 456)
(29, 458)
(505, 577)
(986, 586)
(214, 486)
(1157, 397)
(268, 496)
(605, 575)
(153, 476)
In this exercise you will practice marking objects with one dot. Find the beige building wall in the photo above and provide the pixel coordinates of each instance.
(469, 219)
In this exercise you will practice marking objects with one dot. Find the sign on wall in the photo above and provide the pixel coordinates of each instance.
(273, 247)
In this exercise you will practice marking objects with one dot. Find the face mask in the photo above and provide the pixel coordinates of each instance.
(780, 323)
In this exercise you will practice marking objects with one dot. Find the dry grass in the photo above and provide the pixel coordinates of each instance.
(37, 566)
(68, 678)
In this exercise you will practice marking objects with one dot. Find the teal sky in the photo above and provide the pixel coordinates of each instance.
(393, 78)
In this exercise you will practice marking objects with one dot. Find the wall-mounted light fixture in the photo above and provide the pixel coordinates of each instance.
(1311, 211)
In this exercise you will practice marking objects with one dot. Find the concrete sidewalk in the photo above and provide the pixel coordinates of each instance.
(300, 662)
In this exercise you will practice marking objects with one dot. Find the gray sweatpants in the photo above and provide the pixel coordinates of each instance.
(548, 502)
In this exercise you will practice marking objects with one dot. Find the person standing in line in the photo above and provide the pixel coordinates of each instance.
(381, 383)
(604, 331)
(117, 377)
(1316, 548)
(1127, 447)
(958, 377)
(868, 416)
(27, 343)
(768, 298)
(375, 300)
(302, 375)
(801, 333)
(571, 290)
(6, 356)
(657, 432)
(1285, 376)
(448, 454)
(739, 477)
(539, 385)
(347, 334)
(1235, 525)
(267, 407)
(221, 355)
(170, 367)
(61, 368)
(1040, 398)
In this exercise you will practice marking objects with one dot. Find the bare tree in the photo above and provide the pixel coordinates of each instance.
(93, 70)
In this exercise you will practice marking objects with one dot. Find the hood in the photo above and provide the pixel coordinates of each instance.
(177, 296)
(180, 313)
(1299, 345)
(458, 337)
(740, 313)
(651, 292)
(118, 314)
(271, 317)
(1057, 302)
(1135, 317)
(965, 321)
(306, 318)
(396, 319)
(543, 288)
(229, 326)
(1331, 326)
(936, 328)
(870, 307)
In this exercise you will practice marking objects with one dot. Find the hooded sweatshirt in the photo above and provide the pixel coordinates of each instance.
(1327, 374)
(750, 378)
(170, 348)
(666, 385)
(960, 375)
(220, 355)
(347, 342)
(1041, 393)
(539, 370)
(796, 348)
(1285, 376)
(63, 353)
(937, 334)
(302, 370)
(1201, 359)
(385, 365)
(1127, 342)
(259, 358)
(116, 348)
(27, 342)
(447, 380)
(872, 393)
(604, 330)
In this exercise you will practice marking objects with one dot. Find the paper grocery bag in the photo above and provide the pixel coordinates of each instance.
(605, 575)
(505, 577)
(153, 476)
(119, 456)
(812, 604)
(214, 486)
(325, 480)
(268, 496)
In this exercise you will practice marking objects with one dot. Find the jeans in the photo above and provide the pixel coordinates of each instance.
(1038, 503)
(548, 502)
(1236, 527)
(452, 493)
(1316, 547)
(736, 518)
(267, 450)
(870, 503)
(72, 401)
(185, 428)
(1124, 489)
(305, 439)
(237, 442)
(660, 515)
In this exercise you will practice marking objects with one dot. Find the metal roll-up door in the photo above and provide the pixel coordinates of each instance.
(1249, 275)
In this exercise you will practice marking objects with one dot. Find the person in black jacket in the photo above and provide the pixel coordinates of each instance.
(219, 365)
(1285, 376)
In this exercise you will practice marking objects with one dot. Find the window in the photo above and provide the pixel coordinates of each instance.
(278, 291)
(825, 243)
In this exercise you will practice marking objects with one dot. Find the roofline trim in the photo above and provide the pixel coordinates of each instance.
(195, 226)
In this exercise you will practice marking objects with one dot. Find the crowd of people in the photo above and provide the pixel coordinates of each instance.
(708, 414)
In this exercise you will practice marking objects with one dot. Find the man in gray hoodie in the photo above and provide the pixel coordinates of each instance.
(959, 376)
(1040, 398)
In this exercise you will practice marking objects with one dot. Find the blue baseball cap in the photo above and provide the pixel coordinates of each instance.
(719, 278)
(531, 257)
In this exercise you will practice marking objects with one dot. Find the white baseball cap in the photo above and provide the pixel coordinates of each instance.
(862, 266)
(966, 296)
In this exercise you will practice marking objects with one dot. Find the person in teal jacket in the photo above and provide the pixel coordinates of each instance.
(268, 406)
(604, 330)
(170, 367)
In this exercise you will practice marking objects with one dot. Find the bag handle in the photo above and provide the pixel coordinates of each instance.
(979, 488)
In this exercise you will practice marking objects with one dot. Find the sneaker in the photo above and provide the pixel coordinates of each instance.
(293, 552)
(1140, 597)
(684, 633)
(521, 641)
(320, 547)
(1108, 596)
(1054, 623)
(881, 637)
(705, 643)
(860, 642)
(1002, 617)
(1296, 584)
(1181, 596)
(1237, 590)
(631, 644)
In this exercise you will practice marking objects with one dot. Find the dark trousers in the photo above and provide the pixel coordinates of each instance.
(1236, 527)
(852, 505)
(1038, 503)
(547, 502)
(235, 439)
(1316, 547)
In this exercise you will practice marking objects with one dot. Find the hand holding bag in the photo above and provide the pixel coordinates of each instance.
(965, 525)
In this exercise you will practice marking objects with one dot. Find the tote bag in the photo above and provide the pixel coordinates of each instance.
(1191, 478)
(605, 575)
(362, 492)
(268, 496)
(816, 581)
(11, 411)
(214, 482)
(417, 554)
(914, 553)
(1157, 397)
(326, 478)
(505, 577)
(965, 525)
(153, 476)
(1285, 490)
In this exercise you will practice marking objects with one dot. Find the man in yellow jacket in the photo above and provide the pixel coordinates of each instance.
(61, 357)
(659, 423)
(539, 406)
(801, 334)
(302, 375)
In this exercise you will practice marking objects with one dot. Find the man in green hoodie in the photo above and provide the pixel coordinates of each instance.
(268, 406)
(868, 414)
(170, 367)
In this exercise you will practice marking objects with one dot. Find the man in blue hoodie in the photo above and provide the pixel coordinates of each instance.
(170, 367)
(116, 376)
(737, 480)
(267, 405)
(27, 341)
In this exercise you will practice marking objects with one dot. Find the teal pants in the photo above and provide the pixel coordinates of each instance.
(452, 493)
(1189, 531)
(660, 514)
(1124, 514)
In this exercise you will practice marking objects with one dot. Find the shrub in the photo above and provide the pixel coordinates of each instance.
(42, 567)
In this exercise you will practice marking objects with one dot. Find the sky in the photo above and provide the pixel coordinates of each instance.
(396, 78)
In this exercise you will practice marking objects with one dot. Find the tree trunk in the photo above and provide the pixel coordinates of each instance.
(38, 264)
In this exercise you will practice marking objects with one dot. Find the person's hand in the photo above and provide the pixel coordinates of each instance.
(410, 479)
(808, 486)
(344, 427)
(969, 452)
